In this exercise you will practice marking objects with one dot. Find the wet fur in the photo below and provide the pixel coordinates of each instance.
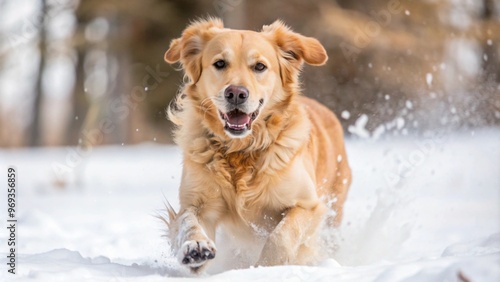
(282, 177)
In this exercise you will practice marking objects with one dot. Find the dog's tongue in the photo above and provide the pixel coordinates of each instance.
(238, 118)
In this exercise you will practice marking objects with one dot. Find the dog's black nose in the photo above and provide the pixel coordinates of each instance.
(236, 95)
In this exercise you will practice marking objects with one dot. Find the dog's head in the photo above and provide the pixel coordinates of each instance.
(237, 77)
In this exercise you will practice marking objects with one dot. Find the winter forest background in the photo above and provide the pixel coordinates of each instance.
(92, 72)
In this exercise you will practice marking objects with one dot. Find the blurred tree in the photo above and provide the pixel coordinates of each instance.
(140, 32)
(491, 59)
(35, 125)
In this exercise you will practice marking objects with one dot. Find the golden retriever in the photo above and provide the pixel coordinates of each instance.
(259, 160)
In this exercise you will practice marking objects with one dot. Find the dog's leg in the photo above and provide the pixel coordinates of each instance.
(192, 243)
(291, 236)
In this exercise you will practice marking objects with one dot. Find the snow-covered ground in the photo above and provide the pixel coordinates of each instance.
(418, 210)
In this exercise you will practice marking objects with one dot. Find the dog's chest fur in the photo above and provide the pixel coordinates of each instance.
(253, 195)
(248, 179)
(242, 178)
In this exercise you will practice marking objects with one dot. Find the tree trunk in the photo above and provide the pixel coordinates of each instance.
(35, 136)
(491, 61)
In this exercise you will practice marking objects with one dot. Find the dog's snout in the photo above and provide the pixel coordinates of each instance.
(236, 95)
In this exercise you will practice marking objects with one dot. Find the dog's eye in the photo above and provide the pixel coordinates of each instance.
(220, 64)
(259, 67)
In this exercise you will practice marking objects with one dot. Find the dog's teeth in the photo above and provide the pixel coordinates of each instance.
(236, 125)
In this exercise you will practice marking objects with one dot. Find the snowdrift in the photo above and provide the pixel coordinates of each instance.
(424, 209)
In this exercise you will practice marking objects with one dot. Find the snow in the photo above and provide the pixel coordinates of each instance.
(409, 104)
(428, 79)
(378, 132)
(358, 128)
(345, 114)
(419, 209)
(400, 122)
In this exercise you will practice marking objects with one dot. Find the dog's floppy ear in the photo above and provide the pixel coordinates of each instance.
(295, 46)
(294, 50)
(187, 49)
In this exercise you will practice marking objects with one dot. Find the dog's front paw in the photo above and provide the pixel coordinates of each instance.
(195, 254)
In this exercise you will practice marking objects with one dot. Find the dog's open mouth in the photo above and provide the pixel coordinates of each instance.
(238, 122)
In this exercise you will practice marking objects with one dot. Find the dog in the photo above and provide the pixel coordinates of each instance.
(260, 162)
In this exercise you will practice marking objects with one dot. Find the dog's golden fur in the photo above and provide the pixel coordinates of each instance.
(282, 175)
